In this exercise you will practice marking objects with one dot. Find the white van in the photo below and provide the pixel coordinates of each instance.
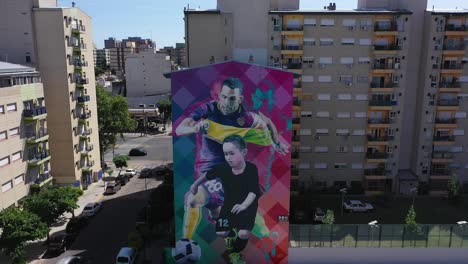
(112, 187)
(126, 256)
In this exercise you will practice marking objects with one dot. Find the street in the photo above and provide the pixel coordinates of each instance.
(108, 231)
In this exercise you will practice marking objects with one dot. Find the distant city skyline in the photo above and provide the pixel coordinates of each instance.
(163, 22)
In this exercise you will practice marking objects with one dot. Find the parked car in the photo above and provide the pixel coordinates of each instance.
(319, 215)
(145, 173)
(357, 206)
(137, 152)
(91, 209)
(74, 260)
(112, 187)
(126, 256)
(76, 224)
(122, 179)
(60, 243)
(130, 172)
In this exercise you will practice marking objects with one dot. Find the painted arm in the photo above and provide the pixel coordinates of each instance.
(189, 126)
(244, 205)
(279, 147)
(194, 186)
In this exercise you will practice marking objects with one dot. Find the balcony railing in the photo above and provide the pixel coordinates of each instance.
(83, 99)
(387, 47)
(381, 138)
(385, 27)
(378, 121)
(448, 102)
(85, 132)
(442, 155)
(43, 177)
(87, 148)
(36, 111)
(277, 27)
(293, 28)
(80, 80)
(35, 157)
(383, 66)
(296, 103)
(444, 138)
(380, 103)
(457, 66)
(383, 85)
(35, 135)
(456, 28)
(446, 121)
(79, 63)
(291, 47)
(454, 47)
(296, 120)
(85, 115)
(375, 172)
(87, 166)
(294, 66)
(82, 28)
(377, 155)
(449, 85)
(441, 172)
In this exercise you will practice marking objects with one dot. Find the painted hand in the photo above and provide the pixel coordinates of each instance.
(193, 189)
(238, 208)
(281, 148)
(202, 126)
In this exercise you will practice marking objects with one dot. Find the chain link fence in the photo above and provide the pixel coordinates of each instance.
(378, 236)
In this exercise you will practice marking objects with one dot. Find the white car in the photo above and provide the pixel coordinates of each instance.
(130, 172)
(357, 206)
(319, 215)
(91, 209)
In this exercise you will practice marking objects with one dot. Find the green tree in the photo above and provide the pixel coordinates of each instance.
(410, 221)
(98, 71)
(165, 108)
(18, 227)
(135, 240)
(329, 218)
(70, 196)
(454, 187)
(120, 161)
(113, 119)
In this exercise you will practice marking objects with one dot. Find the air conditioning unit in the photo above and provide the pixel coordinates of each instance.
(321, 65)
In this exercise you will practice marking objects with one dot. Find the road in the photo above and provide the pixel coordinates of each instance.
(108, 230)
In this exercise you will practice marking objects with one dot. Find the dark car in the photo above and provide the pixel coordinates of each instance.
(145, 173)
(60, 243)
(76, 224)
(122, 179)
(137, 152)
(73, 260)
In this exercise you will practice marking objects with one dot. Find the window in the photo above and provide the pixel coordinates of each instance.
(7, 186)
(323, 114)
(307, 78)
(325, 78)
(11, 107)
(363, 78)
(321, 149)
(4, 161)
(3, 135)
(321, 131)
(360, 114)
(347, 60)
(356, 166)
(349, 22)
(28, 59)
(306, 113)
(459, 132)
(359, 132)
(341, 165)
(320, 165)
(342, 148)
(344, 97)
(342, 132)
(304, 165)
(2, 109)
(343, 115)
(365, 23)
(305, 148)
(326, 42)
(362, 97)
(363, 60)
(358, 149)
(14, 131)
(309, 42)
(16, 156)
(305, 132)
(346, 79)
(308, 60)
(327, 22)
(310, 22)
(457, 115)
(19, 179)
(323, 97)
(365, 42)
(347, 41)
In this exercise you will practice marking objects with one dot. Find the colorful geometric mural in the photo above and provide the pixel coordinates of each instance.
(232, 143)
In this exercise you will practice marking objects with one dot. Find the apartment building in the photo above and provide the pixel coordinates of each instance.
(24, 147)
(118, 56)
(59, 41)
(360, 101)
(112, 43)
(443, 105)
(101, 57)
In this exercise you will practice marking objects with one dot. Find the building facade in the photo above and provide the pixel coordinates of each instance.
(112, 43)
(358, 105)
(24, 148)
(101, 57)
(60, 44)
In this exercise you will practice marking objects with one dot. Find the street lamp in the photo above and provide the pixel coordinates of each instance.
(414, 191)
(343, 192)
(462, 225)
(372, 224)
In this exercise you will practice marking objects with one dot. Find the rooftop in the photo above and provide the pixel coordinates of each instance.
(7, 68)
(342, 12)
(448, 11)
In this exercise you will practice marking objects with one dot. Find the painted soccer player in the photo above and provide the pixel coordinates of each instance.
(213, 122)
(241, 192)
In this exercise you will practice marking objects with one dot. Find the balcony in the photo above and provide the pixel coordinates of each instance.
(381, 138)
(36, 137)
(449, 85)
(86, 115)
(456, 28)
(87, 166)
(86, 149)
(293, 66)
(296, 102)
(448, 102)
(81, 81)
(386, 47)
(293, 28)
(455, 47)
(381, 103)
(296, 120)
(441, 172)
(34, 113)
(83, 99)
(377, 155)
(375, 172)
(79, 63)
(442, 155)
(43, 179)
(82, 28)
(379, 66)
(446, 121)
(444, 138)
(36, 159)
(296, 138)
(383, 85)
(291, 47)
(457, 66)
(378, 121)
(385, 27)
(85, 132)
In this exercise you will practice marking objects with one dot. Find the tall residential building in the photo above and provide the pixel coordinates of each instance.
(59, 42)
(361, 94)
(140, 43)
(24, 150)
(119, 52)
(101, 57)
(180, 57)
(112, 43)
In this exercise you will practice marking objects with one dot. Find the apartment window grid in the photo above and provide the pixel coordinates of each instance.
(342, 148)
(347, 41)
(326, 42)
(309, 42)
(312, 22)
(19, 179)
(16, 156)
(341, 165)
(14, 131)
(4, 161)
(3, 135)
(7, 186)
(11, 107)
(2, 109)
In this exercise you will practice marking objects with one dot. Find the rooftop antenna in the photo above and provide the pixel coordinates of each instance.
(73, 4)
(432, 7)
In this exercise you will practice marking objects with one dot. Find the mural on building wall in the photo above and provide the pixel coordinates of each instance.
(232, 142)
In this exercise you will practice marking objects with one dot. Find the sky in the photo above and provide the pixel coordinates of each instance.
(162, 20)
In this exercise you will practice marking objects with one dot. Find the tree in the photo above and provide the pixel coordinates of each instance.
(410, 221)
(19, 226)
(453, 187)
(165, 108)
(329, 218)
(98, 71)
(70, 196)
(120, 161)
(113, 119)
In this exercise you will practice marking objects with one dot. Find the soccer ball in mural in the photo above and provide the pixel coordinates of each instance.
(186, 251)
